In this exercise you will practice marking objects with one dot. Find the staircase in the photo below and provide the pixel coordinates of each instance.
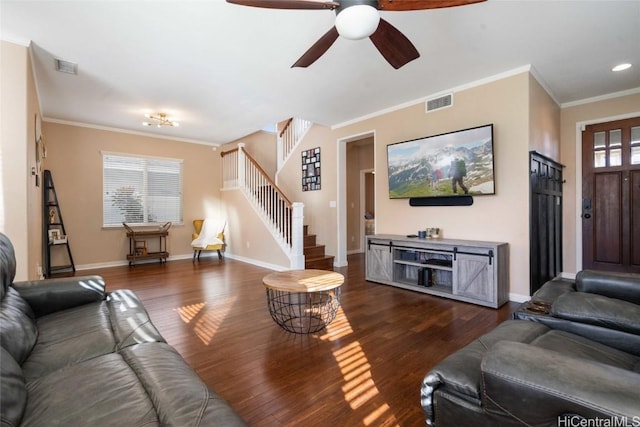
(280, 215)
(314, 256)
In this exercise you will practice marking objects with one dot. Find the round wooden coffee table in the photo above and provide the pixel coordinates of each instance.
(303, 301)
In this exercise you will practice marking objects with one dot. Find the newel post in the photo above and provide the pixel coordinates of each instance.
(297, 238)
(279, 150)
(241, 165)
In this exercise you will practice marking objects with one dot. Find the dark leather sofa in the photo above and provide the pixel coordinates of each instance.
(72, 354)
(540, 371)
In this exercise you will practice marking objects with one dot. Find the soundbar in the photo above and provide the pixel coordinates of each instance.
(441, 201)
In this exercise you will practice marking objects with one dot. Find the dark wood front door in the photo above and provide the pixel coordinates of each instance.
(611, 196)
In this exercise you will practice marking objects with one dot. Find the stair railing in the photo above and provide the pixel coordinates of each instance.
(284, 218)
(290, 135)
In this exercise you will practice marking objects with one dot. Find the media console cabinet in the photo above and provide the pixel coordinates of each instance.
(465, 270)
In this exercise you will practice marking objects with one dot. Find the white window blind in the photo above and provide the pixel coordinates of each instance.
(140, 190)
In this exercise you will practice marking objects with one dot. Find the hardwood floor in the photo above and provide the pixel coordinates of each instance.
(365, 369)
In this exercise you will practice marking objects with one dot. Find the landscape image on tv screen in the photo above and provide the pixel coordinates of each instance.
(452, 164)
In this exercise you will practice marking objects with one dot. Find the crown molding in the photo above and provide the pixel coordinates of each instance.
(128, 131)
(466, 86)
(601, 98)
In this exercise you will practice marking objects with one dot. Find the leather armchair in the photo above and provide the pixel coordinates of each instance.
(602, 306)
(525, 373)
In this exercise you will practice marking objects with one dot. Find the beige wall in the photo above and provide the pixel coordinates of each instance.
(502, 217)
(18, 109)
(261, 146)
(544, 126)
(318, 214)
(248, 237)
(75, 162)
(572, 118)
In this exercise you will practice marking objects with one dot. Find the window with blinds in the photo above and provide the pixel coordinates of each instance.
(140, 190)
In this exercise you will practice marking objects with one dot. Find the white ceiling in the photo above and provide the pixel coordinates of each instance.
(223, 71)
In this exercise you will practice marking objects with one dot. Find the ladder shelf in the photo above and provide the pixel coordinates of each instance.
(54, 234)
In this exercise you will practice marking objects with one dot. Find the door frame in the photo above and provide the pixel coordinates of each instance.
(363, 173)
(580, 127)
(341, 211)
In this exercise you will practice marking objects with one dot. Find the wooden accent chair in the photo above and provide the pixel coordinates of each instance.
(219, 247)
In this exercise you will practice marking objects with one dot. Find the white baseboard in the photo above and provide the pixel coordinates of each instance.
(125, 262)
(519, 297)
(257, 262)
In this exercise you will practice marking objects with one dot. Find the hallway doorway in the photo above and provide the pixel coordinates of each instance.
(361, 157)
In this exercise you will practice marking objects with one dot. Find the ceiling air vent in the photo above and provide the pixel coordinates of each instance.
(66, 66)
(439, 102)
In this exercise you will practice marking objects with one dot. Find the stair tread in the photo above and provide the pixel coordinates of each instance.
(319, 257)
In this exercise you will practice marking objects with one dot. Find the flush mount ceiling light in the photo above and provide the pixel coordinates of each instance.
(621, 67)
(159, 120)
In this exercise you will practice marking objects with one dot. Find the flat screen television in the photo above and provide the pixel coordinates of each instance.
(451, 164)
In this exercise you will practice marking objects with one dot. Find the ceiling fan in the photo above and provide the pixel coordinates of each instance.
(357, 19)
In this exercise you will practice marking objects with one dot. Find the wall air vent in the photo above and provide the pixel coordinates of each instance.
(443, 101)
(66, 66)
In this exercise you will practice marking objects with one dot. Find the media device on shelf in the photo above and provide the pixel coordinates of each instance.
(453, 164)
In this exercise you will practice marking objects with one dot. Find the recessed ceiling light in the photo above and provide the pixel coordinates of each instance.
(621, 67)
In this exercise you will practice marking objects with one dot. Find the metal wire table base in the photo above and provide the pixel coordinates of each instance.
(303, 312)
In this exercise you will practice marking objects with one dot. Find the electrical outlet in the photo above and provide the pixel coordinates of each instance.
(248, 244)
(39, 270)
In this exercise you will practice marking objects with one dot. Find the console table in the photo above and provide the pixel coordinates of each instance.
(465, 270)
(138, 250)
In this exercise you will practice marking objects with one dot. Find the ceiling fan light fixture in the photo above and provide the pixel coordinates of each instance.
(357, 22)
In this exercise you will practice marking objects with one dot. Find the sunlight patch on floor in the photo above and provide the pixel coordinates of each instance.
(359, 388)
(206, 320)
(337, 329)
(188, 312)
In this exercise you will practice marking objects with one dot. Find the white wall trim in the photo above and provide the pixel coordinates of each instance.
(480, 82)
(542, 83)
(256, 262)
(128, 131)
(340, 259)
(211, 254)
(601, 98)
(518, 297)
(363, 201)
(12, 38)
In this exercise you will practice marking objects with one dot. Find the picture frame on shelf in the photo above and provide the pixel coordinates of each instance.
(54, 235)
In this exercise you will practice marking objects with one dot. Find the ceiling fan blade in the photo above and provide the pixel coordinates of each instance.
(395, 5)
(287, 4)
(318, 49)
(393, 45)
